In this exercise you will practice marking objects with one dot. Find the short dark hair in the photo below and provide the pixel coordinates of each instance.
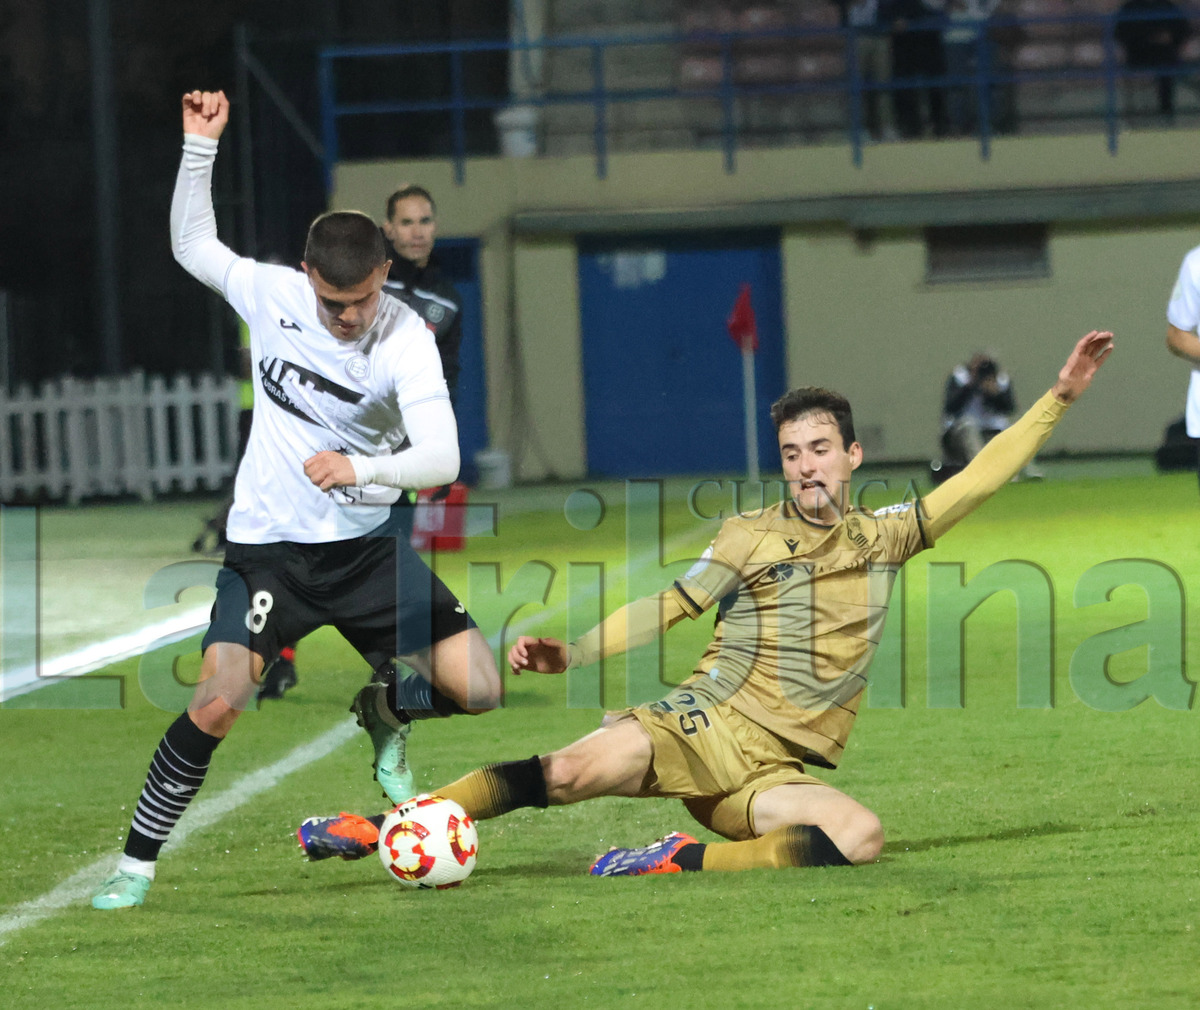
(798, 403)
(404, 194)
(344, 247)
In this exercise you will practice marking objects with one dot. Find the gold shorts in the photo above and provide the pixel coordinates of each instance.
(716, 761)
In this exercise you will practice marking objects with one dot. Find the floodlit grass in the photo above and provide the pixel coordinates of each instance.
(1035, 857)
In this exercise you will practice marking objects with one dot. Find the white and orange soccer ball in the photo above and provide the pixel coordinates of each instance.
(428, 841)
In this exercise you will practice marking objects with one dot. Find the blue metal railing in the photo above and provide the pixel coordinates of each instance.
(989, 76)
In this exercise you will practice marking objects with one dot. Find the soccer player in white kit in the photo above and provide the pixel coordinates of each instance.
(351, 407)
(1183, 320)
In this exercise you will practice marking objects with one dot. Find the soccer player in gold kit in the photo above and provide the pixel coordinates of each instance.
(801, 590)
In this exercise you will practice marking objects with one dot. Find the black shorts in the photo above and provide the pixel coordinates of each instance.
(374, 589)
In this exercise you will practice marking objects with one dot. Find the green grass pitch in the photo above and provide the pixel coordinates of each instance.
(1036, 857)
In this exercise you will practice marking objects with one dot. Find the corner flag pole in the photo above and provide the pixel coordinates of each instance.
(750, 403)
(743, 331)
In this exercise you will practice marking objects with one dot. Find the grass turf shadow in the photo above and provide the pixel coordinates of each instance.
(895, 848)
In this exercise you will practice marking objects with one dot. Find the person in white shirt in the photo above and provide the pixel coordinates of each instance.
(351, 407)
(1183, 320)
(870, 25)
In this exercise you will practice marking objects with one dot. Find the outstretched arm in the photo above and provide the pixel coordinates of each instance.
(1002, 458)
(193, 223)
(636, 624)
(1082, 365)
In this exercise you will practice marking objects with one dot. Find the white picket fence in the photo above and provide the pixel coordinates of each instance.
(73, 438)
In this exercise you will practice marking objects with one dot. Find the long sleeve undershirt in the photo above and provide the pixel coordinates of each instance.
(637, 623)
(996, 464)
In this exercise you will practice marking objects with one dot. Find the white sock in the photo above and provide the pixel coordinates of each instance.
(145, 867)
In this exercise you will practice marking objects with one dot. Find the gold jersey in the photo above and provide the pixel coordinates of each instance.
(801, 609)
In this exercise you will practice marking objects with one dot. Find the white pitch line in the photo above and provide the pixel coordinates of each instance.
(204, 813)
(101, 654)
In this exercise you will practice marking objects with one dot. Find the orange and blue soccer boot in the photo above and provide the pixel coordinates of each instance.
(346, 835)
(657, 857)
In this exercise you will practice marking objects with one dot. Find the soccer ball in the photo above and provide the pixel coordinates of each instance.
(427, 842)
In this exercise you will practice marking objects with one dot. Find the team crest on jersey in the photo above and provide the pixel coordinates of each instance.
(434, 313)
(779, 573)
(854, 532)
(358, 367)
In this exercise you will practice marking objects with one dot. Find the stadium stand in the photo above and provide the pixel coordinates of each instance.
(791, 73)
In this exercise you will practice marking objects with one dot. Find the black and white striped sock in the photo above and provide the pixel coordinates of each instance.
(176, 774)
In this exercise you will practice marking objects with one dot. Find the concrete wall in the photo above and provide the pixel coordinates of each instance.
(862, 320)
(859, 315)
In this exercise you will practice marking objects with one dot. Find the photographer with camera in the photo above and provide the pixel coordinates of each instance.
(978, 404)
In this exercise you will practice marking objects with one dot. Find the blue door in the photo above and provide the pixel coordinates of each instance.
(459, 259)
(662, 378)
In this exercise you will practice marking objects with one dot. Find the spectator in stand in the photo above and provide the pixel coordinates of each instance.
(1005, 35)
(1152, 33)
(870, 24)
(962, 34)
(917, 53)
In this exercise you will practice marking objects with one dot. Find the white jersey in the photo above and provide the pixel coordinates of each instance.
(1183, 312)
(314, 392)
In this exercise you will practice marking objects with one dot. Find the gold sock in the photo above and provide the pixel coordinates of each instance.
(496, 789)
(795, 845)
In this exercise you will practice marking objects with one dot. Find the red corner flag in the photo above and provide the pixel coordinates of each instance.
(743, 330)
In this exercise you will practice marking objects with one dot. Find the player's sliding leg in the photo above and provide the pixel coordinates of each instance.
(851, 827)
(456, 676)
(801, 824)
(612, 761)
(486, 792)
(228, 678)
(797, 845)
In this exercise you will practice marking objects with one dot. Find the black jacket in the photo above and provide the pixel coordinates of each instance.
(1151, 42)
(431, 295)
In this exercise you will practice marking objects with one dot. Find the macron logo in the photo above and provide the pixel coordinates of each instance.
(288, 325)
